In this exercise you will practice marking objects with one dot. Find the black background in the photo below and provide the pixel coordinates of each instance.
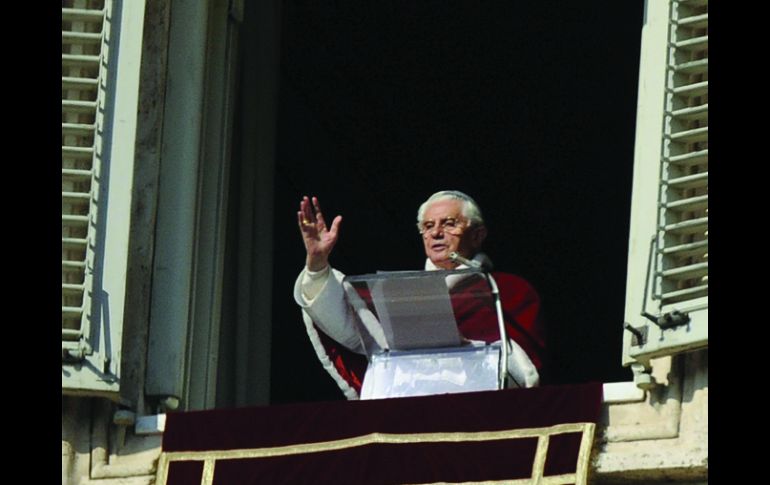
(527, 106)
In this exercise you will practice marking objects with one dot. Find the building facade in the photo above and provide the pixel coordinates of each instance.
(158, 286)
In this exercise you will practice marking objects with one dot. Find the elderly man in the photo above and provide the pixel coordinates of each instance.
(449, 222)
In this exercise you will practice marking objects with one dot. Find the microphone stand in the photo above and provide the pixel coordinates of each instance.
(503, 365)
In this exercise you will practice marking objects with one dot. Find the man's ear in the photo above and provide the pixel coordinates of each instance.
(479, 234)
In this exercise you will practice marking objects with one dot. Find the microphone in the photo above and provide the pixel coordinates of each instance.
(462, 260)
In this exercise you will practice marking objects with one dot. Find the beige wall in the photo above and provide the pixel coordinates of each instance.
(664, 437)
(96, 450)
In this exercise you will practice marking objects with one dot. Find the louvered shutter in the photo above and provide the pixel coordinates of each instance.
(674, 304)
(681, 274)
(98, 132)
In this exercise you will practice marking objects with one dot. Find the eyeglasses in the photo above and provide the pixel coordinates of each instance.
(450, 225)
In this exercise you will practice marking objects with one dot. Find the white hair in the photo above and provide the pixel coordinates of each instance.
(470, 208)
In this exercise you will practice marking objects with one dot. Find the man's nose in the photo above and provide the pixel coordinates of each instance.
(437, 232)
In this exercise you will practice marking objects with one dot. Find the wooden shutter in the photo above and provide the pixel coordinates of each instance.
(671, 315)
(681, 273)
(99, 59)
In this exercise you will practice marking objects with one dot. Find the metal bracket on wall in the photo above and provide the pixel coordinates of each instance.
(639, 334)
(643, 377)
(670, 319)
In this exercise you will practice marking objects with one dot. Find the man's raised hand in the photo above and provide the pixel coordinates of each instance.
(318, 238)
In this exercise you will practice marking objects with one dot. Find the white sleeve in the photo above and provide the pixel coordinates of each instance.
(520, 367)
(313, 282)
(321, 295)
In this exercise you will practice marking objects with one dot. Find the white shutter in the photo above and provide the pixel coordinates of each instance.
(81, 59)
(668, 311)
(681, 273)
(96, 184)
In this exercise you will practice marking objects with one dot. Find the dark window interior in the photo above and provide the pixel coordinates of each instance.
(527, 106)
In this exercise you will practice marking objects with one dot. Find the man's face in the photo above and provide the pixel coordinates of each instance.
(446, 230)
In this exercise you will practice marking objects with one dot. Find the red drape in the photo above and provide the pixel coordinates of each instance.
(285, 425)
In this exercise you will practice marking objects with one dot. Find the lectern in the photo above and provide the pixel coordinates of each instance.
(408, 326)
